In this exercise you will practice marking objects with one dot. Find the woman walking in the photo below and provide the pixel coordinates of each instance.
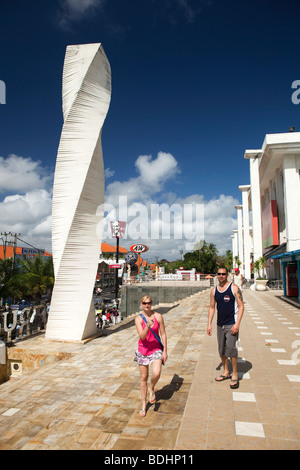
(150, 349)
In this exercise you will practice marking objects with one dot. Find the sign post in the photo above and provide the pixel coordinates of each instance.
(118, 230)
(138, 248)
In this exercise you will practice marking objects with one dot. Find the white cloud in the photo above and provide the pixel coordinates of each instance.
(26, 206)
(22, 174)
(167, 223)
(154, 173)
(29, 215)
(163, 221)
(108, 173)
(152, 176)
(74, 10)
(178, 11)
(43, 229)
(189, 12)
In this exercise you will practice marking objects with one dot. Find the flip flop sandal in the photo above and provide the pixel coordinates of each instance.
(142, 412)
(221, 378)
(235, 384)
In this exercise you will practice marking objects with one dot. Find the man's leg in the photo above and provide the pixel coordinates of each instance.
(234, 368)
(226, 372)
(221, 344)
(225, 366)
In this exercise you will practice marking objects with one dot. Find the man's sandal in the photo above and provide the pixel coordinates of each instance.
(235, 383)
(222, 377)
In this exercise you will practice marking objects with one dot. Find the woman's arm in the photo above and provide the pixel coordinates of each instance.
(139, 326)
(163, 335)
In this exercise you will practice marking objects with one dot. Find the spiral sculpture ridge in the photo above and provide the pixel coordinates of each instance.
(78, 191)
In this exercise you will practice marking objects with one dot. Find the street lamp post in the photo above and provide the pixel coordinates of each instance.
(116, 273)
(118, 229)
(115, 227)
(6, 234)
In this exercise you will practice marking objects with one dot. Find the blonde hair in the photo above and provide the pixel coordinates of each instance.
(146, 297)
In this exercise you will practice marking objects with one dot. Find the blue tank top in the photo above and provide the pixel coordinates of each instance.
(226, 306)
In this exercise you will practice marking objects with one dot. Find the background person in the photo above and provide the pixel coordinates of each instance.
(238, 279)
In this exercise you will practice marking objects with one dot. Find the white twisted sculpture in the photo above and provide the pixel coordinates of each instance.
(77, 192)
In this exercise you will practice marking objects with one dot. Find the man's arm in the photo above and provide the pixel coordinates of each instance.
(211, 311)
(239, 298)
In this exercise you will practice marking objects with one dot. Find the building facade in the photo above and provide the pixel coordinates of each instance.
(270, 213)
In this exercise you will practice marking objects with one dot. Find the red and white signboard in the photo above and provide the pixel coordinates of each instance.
(118, 229)
(116, 266)
(139, 248)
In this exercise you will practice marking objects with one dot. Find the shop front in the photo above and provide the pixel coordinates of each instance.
(290, 262)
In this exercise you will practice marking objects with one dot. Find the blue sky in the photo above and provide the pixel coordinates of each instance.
(194, 84)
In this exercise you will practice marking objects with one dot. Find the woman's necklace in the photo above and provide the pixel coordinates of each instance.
(149, 317)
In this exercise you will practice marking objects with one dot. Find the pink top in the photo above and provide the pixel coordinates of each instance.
(150, 344)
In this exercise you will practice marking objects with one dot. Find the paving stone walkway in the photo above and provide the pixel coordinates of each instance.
(91, 400)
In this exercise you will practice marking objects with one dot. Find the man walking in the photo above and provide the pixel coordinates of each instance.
(238, 279)
(230, 307)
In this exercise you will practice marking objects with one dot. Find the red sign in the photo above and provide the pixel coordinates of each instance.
(270, 234)
(116, 266)
(139, 248)
(118, 229)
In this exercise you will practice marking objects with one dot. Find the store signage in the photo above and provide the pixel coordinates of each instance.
(118, 229)
(32, 251)
(270, 233)
(139, 248)
(116, 266)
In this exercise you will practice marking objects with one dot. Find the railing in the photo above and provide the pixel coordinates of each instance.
(275, 284)
(208, 278)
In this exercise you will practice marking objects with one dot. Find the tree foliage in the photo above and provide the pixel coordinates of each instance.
(9, 275)
(28, 277)
(204, 260)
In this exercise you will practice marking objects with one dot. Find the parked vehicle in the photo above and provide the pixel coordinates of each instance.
(21, 305)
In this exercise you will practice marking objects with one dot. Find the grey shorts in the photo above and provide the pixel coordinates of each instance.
(227, 342)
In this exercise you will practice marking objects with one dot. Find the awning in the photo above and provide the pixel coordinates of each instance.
(275, 251)
(288, 256)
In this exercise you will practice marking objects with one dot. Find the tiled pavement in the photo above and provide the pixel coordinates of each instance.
(91, 400)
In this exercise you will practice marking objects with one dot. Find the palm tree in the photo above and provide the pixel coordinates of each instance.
(262, 261)
(237, 261)
(228, 260)
(9, 275)
(38, 275)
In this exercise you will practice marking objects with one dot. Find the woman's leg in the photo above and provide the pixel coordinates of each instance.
(156, 371)
(144, 380)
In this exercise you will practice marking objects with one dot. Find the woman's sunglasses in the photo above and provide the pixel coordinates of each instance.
(147, 303)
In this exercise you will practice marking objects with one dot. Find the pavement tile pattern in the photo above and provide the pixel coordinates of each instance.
(90, 400)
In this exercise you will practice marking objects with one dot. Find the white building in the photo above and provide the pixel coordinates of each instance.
(272, 202)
